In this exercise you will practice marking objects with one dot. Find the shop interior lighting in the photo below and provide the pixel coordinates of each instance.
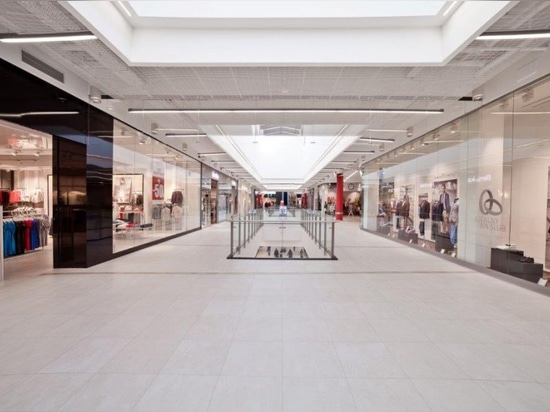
(95, 95)
(454, 128)
(515, 35)
(254, 111)
(46, 38)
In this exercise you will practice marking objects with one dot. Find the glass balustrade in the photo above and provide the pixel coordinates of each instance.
(282, 233)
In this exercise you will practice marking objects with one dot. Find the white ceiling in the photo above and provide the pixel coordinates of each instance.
(411, 85)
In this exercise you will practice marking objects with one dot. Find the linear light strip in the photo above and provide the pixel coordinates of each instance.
(520, 113)
(375, 140)
(123, 6)
(452, 6)
(185, 135)
(387, 130)
(46, 38)
(19, 115)
(515, 35)
(347, 178)
(272, 111)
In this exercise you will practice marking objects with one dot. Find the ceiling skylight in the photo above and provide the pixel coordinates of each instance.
(235, 9)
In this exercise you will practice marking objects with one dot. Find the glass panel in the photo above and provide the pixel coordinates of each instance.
(156, 190)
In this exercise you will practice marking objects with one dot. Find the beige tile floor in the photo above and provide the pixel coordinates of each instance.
(177, 327)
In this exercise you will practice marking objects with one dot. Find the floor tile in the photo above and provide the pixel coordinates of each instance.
(87, 356)
(456, 395)
(142, 356)
(197, 358)
(305, 330)
(351, 330)
(301, 310)
(8, 382)
(388, 395)
(425, 361)
(368, 360)
(318, 360)
(178, 393)
(317, 394)
(247, 394)
(519, 396)
(30, 355)
(254, 359)
(168, 327)
(45, 392)
(221, 327)
(260, 329)
(124, 326)
(481, 362)
(109, 393)
(397, 330)
(222, 307)
(266, 307)
(341, 310)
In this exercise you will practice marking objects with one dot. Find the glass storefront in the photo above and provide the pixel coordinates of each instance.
(156, 190)
(474, 185)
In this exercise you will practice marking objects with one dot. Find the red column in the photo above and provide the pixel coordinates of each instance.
(340, 196)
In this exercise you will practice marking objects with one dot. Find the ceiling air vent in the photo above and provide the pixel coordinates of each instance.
(43, 67)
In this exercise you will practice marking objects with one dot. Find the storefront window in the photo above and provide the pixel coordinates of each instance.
(474, 185)
(156, 190)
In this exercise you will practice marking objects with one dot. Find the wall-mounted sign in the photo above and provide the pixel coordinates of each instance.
(215, 176)
(491, 209)
(476, 179)
(488, 205)
(233, 183)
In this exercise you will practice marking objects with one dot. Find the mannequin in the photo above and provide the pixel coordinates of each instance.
(453, 219)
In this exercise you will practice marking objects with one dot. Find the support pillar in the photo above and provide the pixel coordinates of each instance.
(340, 196)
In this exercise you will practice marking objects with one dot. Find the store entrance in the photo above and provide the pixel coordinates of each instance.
(25, 193)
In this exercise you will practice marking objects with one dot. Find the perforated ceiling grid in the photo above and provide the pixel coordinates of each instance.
(275, 87)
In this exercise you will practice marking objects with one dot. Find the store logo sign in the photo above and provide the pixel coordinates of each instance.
(488, 205)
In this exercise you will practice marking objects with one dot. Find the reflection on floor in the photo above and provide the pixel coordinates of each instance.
(269, 252)
(30, 264)
(177, 326)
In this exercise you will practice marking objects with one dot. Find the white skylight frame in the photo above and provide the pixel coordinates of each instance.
(239, 9)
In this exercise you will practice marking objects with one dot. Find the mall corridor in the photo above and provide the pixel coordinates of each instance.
(178, 327)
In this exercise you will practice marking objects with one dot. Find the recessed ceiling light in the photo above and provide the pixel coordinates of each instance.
(253, 111)
(515, 35)
(46, 38)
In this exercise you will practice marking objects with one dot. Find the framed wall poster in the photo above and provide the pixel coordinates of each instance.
(125, 186)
